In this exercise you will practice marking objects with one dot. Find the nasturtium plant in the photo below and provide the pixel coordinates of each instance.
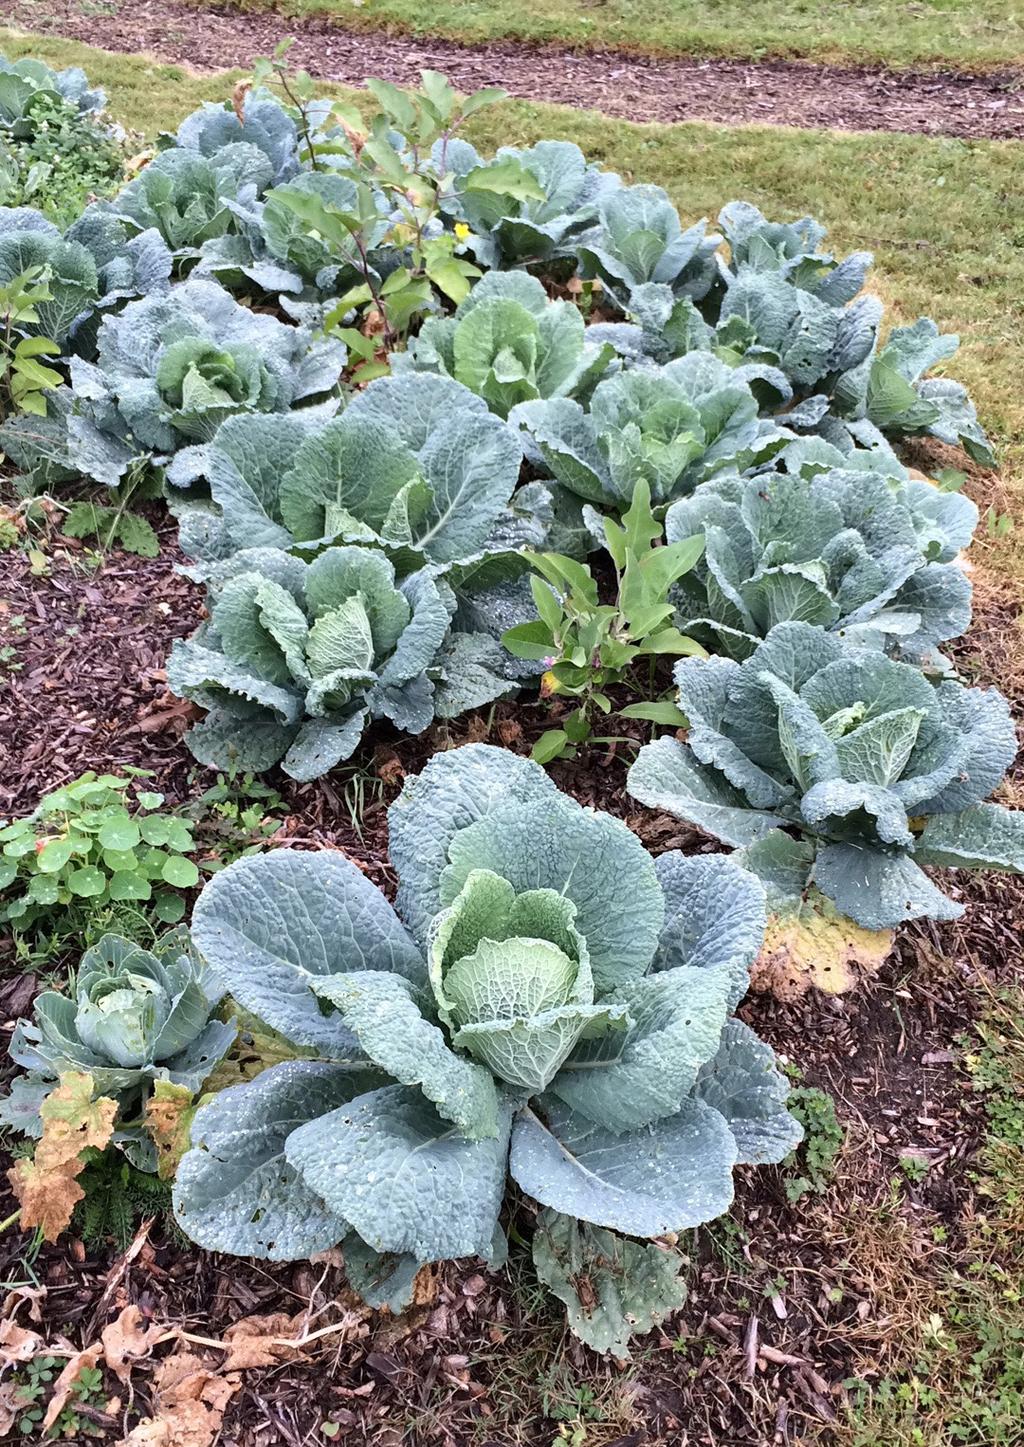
(509, 343)
(173, 366)
(839, 773)
(90, 846)
(544, 1000)
(839, 548)
(134, 1020)
(297, 658)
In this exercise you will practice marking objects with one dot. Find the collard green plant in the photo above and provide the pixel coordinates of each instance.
(672, 428)
(587, 646)
(547, 1001)
(508, 343)
(840, 548)
(92, 845)
(415, 465)
(172, 367)
(298, 657)
(839, 773)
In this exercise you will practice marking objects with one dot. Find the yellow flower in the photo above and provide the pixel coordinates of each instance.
(462, 231)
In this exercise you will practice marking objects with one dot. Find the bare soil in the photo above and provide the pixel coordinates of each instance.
(637, 88)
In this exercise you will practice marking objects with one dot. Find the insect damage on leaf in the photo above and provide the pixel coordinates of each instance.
(46, 1187)
(169, 1114)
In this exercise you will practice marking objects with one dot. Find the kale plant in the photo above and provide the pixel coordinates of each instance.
(298, 657)
(547, 1002)
(839, 773)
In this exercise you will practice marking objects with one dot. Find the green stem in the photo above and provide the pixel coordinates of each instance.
(10, 1220)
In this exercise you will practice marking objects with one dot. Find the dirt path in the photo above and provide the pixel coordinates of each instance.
(636, 88)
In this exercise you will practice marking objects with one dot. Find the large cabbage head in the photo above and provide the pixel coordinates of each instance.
(415, 465)
(297, 658)
(132, 1016)
(508, 343)
(843, 548)
(842, 769)
(543, 1001)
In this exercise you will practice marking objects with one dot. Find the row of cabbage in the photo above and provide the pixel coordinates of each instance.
(533, 341)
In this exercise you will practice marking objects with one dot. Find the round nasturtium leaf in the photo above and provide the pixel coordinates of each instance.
(124, 885)
(87, 881)
(53, 856)
(119, 833)
(8, 871)
(148, 799)
(20, 845)
(182, 873)
(169, 908)
(152, 862)
(154, 829)
(43, 889)
(179, 836)
(118, 860)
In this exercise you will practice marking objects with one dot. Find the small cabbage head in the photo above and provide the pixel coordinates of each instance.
(202, 384)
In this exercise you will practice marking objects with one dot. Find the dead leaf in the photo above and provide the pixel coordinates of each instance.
(169, 1116)
(17, 1344)
(129, 1338)
(190, 1400)
(262, 1341)
(46, 1187)
(238, 96)
(10, 1406)
(65, 1383)
(32, 1294)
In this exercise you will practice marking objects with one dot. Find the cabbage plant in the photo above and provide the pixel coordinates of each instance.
(262, 121)
(415, 465)
(173, 366)
(672, 428)
(26, 82)
(131, 1018)
(298, 657)
(840, 769)
(638, 239)
(27, 241)
(839, 548)
(508, 343)
(544, 1001)
(186, 196)
(514, 229)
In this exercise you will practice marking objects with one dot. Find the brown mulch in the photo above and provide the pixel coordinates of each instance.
(637, 88)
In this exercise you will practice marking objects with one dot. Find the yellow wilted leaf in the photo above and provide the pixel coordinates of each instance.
(46, 1187)
(189, 1401)
(813, 945)
(169, 1115)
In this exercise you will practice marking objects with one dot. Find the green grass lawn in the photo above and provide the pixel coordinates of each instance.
(967, 33)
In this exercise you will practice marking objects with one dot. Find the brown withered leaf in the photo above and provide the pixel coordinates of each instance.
(238, 96)
(17, 1344)
(64, 1385)
(190, 1398)
(262, 1341)
(169, 1116)
(129, 1338)
(46, 1187)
